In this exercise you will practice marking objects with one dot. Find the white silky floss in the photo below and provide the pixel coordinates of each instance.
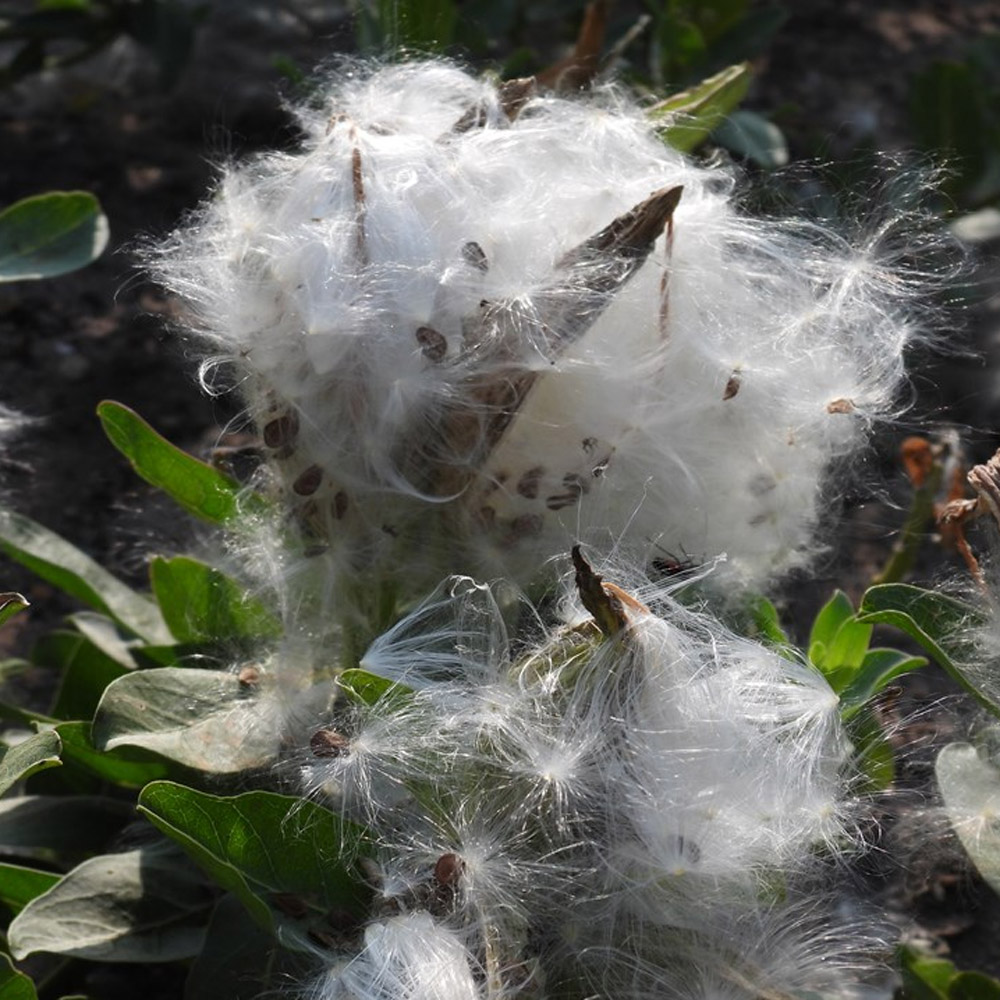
(460, 361)
(409, 957)
(628, 816)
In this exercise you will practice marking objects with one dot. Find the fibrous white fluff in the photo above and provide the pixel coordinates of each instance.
(408, 957)
(643, 814)
(476, 323)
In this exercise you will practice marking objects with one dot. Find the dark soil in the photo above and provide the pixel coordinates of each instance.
(837, 73)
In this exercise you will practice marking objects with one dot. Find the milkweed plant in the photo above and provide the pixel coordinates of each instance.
(481, 700)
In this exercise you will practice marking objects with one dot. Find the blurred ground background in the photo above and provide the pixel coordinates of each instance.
(838, 78)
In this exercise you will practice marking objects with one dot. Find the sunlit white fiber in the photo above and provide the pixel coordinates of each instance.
(448, 376)
(643, 815)
(779, 950)
(409, 957)
(736, 753)
(457, 633)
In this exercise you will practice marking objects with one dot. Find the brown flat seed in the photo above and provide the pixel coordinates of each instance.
(281, 431)
(248, 676)
(574, 481)
(308, 482)
(329, 743)
(761, 483)
(529, 482)
(732, 386)
(474, 255)
(432, 343)
(448, 869)
(840, 406)
(514, 94)
(560, 500)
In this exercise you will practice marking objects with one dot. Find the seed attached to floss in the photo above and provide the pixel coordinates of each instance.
(308, 481)
(529, 482)
(840, 406)
(474, 255)
(281, 431)
(248, 677)
(448, 869)
(432, 343)
(329, 743)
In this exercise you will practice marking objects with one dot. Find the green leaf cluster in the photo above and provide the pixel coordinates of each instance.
(234, 885)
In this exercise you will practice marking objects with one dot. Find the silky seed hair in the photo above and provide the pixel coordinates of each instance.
(473, 329)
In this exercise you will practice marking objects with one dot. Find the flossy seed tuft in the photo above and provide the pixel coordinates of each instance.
(474, 323)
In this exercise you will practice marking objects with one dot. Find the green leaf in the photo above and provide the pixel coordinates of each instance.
(197, 487)
(37, 752)
(878, 668)
(267, 849)
(766, 624)
(120, 767)
(973, 986)
(84, 823)
(836, 612)
(66, 567)
(872, 752)
(14, 985)
(200, 604)
(838, 642)
(147, 905)
(240, 960)
(86, 672)
(203, 719)
(925, 978)
(751, 135)
(970, 788)
(10, 605)
(106, 636)
(690, 116)
(20, 885)
(50, 234)
(934, 620)
(366, 688)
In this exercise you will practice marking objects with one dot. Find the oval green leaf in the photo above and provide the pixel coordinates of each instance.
(50, 234)
(689, 117)
(20, 885)
(14, 985)
(11, 604)
(64, 566)
(970, 788)
(37, 752)
(751, 135)
(203, 719)
(125, 767)
(149, 905)
(934, 620)
(201, 605)
(200, 489)
(267, 848)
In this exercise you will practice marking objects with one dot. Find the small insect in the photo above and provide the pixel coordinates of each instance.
(671, 565)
